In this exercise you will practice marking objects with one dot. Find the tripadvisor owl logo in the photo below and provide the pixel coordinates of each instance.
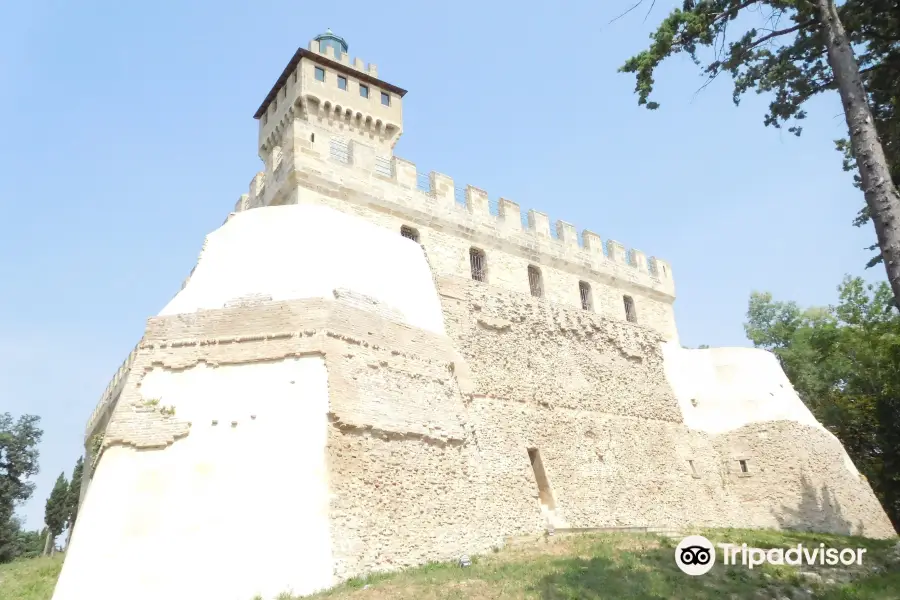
(695, 555)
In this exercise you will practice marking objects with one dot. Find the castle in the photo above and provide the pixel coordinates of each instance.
(371, 367)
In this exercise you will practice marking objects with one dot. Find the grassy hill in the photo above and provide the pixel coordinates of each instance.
(31, 579)
(589, 567)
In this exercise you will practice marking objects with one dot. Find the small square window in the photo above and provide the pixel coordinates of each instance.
(409, 233)
(342, 82)
(385, 98)
(320, 74)
(364, 91)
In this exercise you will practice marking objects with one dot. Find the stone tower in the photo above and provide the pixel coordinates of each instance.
(322, 95)
(370, 368)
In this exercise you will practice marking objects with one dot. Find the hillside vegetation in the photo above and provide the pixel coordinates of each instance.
(588, 567)
(30, 578)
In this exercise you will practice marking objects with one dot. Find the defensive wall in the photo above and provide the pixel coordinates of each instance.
(449, 221)
(400, 417)
(338, 384)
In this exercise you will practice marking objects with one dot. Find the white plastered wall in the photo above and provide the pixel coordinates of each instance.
(239, 506)
(230, 511)
(308, 251)
(722, 389)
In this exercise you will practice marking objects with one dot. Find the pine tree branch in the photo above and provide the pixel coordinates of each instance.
(779, 32)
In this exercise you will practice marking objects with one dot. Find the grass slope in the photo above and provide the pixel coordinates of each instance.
(623, 566)
(589, 567)
(31, 579)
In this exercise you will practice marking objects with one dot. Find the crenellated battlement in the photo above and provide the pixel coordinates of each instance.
(357, 63)
(508, 214)
(109, 395)
(402, 188)
(325, 87)
(326, 135)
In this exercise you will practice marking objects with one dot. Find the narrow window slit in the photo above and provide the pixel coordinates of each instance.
(477, 264)
(535, 282)
(544, 492)
(630, 311)
(587, 298)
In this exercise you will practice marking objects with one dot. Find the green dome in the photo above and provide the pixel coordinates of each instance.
(328, 39)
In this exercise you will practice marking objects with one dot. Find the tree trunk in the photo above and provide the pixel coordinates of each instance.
(46, 544)
(880, 193)
(69, 534)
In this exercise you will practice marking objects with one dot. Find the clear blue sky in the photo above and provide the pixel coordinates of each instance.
(127, 135)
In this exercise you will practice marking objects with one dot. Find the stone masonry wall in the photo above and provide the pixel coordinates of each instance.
(590, 394)
(429, 436)
(306, 174)
(404, 474)
(798, 478)
(448, 249)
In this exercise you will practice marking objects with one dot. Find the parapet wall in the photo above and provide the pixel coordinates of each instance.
(451, 219)
(432, 190)
(356, 64)
(619, 446)
(107, 398)
(299, 93)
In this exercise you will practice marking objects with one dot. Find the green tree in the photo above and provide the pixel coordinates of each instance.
(56, 511)
(18, 462)
(843, 361)
(31, 543)
(73, 497)
(796, 49)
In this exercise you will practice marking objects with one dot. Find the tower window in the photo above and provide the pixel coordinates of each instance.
(295, 75)
(587, 299)
(535, 281)
(364, 91)
(385, 98)
(320, 74)
(744, 468)
(312, 137)
(477, 263)
(409, 233)
(342, 82)
(340, 150)
(630, 312)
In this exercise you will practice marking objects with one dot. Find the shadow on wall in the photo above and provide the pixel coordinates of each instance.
(817, 511)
